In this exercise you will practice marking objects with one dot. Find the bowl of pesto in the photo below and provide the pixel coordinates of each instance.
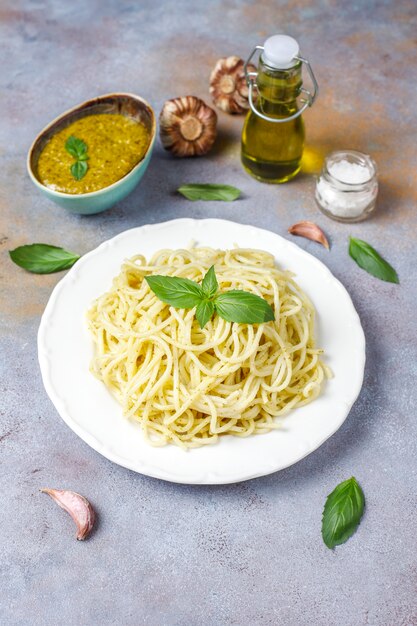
(92, 156)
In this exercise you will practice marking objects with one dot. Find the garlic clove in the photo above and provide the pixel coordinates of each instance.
(187, 126)
(78, 507)
(309, 230)
(228, 85)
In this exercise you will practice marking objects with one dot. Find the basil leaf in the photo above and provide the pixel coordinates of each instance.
(233, 306)
(204, 312)
(180, 293)
(368, 259)
(40, 258)
(342, 513)
(243, 307)
(76, 147)
(210, 284)
(79, 169)
(197, 191)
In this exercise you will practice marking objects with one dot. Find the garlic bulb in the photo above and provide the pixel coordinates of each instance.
(228, 85)
(187, 126)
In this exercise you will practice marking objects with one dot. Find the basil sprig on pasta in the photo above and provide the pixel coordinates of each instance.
(235, 305)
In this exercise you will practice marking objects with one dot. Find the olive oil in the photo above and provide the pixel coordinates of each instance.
(272, 152)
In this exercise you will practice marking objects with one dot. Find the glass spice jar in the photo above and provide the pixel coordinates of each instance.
(347, 187)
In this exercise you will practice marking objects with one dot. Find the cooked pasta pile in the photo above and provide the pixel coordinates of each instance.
(187, 385)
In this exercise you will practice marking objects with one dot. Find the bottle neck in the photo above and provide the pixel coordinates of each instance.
(278, 89)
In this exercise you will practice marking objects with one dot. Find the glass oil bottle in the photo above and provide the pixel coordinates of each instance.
(273, 132)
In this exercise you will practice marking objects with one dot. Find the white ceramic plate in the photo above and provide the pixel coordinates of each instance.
(65, 350)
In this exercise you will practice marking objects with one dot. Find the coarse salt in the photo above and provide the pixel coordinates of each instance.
(351, 173)
(347, 187)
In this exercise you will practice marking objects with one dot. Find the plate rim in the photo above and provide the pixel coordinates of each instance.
(210, 478)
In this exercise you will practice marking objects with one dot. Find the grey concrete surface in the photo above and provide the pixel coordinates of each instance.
(247, 554)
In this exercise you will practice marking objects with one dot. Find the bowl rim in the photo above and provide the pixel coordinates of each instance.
(86, 104)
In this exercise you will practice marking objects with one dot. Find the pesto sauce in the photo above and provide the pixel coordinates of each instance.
(115, 145)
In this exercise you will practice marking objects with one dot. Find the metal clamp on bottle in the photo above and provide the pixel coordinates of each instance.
(280, 53)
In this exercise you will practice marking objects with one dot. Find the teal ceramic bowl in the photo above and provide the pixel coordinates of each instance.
(96, 201)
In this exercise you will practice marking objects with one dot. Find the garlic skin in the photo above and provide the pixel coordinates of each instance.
(228, 85)
(187, 126)
(78, 507)
(309, 230)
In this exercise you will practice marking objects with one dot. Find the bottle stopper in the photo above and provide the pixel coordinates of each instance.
(281, 52)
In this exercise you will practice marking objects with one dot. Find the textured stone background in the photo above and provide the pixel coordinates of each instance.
(248, 554)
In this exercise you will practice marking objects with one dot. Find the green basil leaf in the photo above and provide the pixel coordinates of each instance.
(40, 258)
(204, 312)
(368, 259)
(180, 293)
(76, 147)
(197, 191)
(210, 284)
(79, 169)
(243, 307)
(342, 513)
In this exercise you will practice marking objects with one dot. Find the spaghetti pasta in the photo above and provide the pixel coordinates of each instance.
(188, 385)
